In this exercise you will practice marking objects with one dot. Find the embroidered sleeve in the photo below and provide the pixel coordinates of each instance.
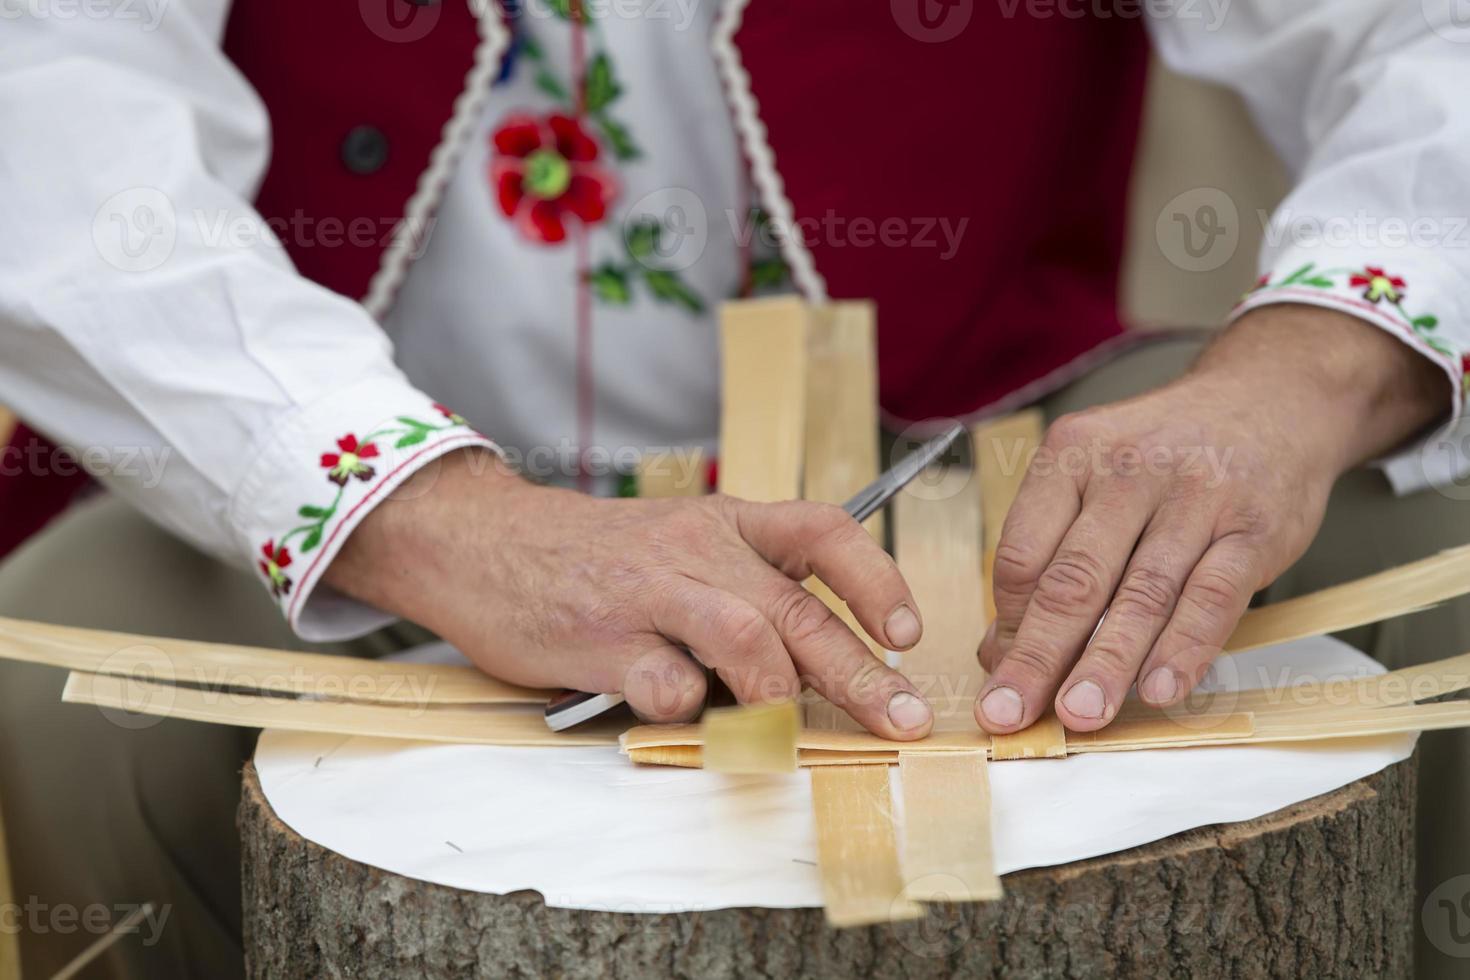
(1414, 299)
(326, 471)
(1366, 109)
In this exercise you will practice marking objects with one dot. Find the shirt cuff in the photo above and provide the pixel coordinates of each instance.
(321, 473)
(1416, 300)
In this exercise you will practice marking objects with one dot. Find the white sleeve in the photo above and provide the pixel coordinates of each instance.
(1365, 101)
(148, 320)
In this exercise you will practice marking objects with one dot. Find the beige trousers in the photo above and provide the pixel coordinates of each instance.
(106, 814)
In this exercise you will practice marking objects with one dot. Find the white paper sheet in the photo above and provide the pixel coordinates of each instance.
(588, 829)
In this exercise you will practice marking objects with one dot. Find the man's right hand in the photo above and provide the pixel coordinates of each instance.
(551, 588)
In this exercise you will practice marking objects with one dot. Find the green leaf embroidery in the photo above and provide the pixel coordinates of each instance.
(1426, 322)
(619, 139)
(766, 273)
(312, 539)
(1317, 281)
(530, 48)
(611, 285)
(414, 423)
(1298, 275)
(562, 8)
(642, 238)
(668, 287)
(602, 87)
(314, 513)
(547, 83)
(412, 439)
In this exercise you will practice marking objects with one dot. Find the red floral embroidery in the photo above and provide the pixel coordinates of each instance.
(546, 170)
(341, 467)
(1378, 285)
(271, 566)
(450, 414)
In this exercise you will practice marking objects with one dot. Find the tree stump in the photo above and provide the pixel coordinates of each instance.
(1321, 889)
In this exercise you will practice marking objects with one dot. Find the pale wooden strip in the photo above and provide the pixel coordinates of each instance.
(7, 426)
(1398, 591)
(856, 850)
(937, 544)
(840, 454)
(752, 738)
(254, 668)
(9, 939)
(763, 417)
(1419, 682)
(468, 724)
(1003, 450)
(1046, 738)
(1159, 729)
(678, 473)
(947, 851)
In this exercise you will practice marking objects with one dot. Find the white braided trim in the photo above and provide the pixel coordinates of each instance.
(410, 234)
(752, 132)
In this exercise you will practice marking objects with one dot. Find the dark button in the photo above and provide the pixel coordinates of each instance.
(364, 150)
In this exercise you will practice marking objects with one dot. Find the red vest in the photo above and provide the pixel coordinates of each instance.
(965, 169)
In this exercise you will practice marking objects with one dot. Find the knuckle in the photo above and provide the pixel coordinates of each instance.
(743, 627)
(1247, 518)
(1146, 593)
(1073, 579)
(1067, 430)
(1016, 567)
(865, 686)
(1028, 663)
(1109, 657)
(1214, 592)
(801, 615)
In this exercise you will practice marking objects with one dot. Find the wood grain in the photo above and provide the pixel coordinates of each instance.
(462, 724)
(840, 454)
(755, 738)
(1374, 598)
(947, 850)
(763, 417)
(254, 668)
(937, 544)
(672, 473)
(857, 853)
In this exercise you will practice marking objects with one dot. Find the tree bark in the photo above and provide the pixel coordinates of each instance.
(1321, 889)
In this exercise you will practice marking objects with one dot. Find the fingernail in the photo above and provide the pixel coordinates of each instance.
(1159, 686)
(907, 712)
(1085, 699)
(1002, 707)
(902, 628)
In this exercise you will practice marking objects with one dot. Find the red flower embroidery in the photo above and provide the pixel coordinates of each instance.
(450, 414)
(1378, 284)
(341, 467)
(545, 170)
(271, 565)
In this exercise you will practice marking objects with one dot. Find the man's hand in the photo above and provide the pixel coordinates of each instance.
(550, 588)
(1170, 509)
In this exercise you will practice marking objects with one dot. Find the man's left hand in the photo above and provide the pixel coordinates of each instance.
(1170, 509)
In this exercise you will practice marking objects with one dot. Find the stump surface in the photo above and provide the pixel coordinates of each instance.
(1324, 888)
